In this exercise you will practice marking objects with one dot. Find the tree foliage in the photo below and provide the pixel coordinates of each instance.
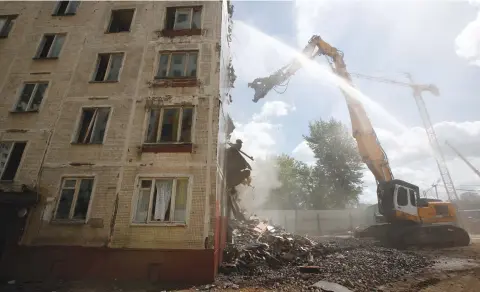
(333, 182)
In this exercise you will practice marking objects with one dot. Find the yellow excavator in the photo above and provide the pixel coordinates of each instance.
(409, 220)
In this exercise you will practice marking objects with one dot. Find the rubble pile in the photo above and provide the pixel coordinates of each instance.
(267, 256)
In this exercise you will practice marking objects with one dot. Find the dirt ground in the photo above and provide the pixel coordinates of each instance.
(457, 270)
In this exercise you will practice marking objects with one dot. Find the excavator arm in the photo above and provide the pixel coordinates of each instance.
(369, 147)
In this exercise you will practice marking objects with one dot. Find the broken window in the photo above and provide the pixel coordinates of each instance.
(121, 20)
(93, 125)
(10, 156)
(170, 125)
(50, 46)
(74, 199)
(31, 96)
(6, 23)
(161, 200)
(182, 18)
(177, 65)
(108, 67)
(66, 8)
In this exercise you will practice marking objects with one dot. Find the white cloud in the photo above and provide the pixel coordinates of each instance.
(411, 160)
(467, 43)
(304, 153)
(261, 134)
(274, 108)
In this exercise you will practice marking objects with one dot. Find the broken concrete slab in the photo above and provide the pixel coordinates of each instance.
(331, 287)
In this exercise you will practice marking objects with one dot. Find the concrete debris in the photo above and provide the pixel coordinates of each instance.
(330, 287)
(267, 256)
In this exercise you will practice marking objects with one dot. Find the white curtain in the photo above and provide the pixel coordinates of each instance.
(163, 196)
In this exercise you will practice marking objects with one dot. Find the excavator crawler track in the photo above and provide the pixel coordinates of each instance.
(402, 236)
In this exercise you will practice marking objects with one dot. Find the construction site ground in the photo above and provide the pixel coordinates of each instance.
(456, 269)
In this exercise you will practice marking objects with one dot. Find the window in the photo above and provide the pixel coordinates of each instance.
(177, 65)
(402, 196)
(183, 18)
(66, 8)
(10, 156)
(50, 46)
(169, 125)
(93, 125)
(6, 23)
(413, 197)
(161, 200)
(75, 195)
(121, 20)
(31, 96)
(108, 67)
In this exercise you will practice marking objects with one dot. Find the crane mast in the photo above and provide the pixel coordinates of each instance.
(432, 137)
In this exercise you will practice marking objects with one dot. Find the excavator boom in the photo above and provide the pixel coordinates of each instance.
(369, 147)
(398, 201)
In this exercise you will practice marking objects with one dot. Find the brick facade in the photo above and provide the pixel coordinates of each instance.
(117, 163)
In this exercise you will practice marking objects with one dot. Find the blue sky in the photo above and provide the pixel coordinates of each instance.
(436, 41)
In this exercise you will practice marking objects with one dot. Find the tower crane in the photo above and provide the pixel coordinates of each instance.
(418, 89)
(410, 221)
(463, 158)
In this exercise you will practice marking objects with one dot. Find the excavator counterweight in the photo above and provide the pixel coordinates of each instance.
(410, 220)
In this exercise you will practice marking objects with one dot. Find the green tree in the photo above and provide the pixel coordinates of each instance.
(338, 168)
(295, 177)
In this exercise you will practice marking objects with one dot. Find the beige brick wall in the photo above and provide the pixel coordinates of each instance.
(118, 163)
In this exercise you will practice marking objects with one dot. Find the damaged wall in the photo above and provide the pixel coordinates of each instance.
(117, 164)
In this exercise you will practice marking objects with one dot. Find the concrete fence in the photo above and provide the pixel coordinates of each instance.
(316, 222)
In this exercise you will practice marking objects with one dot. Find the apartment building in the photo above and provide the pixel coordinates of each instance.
(112, 139)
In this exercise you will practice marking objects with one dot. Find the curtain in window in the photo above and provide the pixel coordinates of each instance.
(162, 200)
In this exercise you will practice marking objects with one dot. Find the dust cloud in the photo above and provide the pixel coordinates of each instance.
(264, 179)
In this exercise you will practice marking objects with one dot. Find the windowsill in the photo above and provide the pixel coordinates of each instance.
(175, 82)
(3, 36)
(78, 143)
(67, 222)
(105, 81)
(6, 181)
(180, 32)
(66, 14)
(45, 58)
(163, 224)
(111, 32)
(167, 148)
(23, 112)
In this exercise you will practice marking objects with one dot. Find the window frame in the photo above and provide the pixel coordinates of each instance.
(9, 19)
(9, 156)
(19, 96)
(153, 178)
(42, 44)
(192, 9)
(170, 53)
(110, 20)
(107, 72)
(407, 196)
(57, 7)
(78, 179)
(76, 133)
(160, 124)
